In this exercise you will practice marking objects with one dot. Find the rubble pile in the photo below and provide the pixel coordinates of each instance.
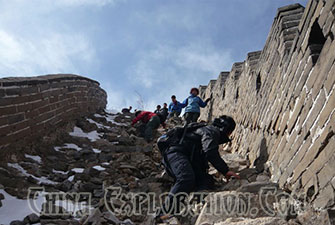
(90, 160)
(88, 155)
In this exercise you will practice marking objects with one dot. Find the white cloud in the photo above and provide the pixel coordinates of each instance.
(84, 2)
(116, 99)
(196, 60)
(54, 53)
(44, 4)
(167, 70)
(32, 42)
(172, 15)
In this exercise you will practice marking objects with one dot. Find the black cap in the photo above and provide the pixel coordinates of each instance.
(225, 123)
(138, 112)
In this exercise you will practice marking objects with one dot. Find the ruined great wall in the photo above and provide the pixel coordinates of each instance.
(30, 106)
(55, 133)
(283, 99)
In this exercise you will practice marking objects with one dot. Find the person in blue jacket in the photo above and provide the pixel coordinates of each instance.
(175, 107)
(192, 106)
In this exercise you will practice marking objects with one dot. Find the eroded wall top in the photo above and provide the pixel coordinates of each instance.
(283, 100)
(30, 106)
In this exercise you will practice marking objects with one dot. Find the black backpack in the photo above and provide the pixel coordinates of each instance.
(174, 136)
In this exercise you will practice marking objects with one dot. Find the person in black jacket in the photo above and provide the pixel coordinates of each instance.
(187, 162)
(165, 111)
(158, 109)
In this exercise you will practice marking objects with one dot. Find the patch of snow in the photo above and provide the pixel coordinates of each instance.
(16, 209)
(99, 125)
(41, 180)
(96, 150)
(59, 171)
(68, 145)
(44, 180)
(111, 118)
(57, 149)
(99, 168)
(105, 163)
(36, 158)
(78, 132)
(71, 178)
(78, 170)
(98, 116)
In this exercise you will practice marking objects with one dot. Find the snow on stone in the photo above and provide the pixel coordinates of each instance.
(59, 171)
(96, 150)
(16, 209)
(57, 149)
(67, 145)
(105, 163)
(36, 158)
(98, 116)
(78, 170)
(99, 125)
(78, 132)
(41, 180)
(111, 118)
(71, 178)
(100, 168)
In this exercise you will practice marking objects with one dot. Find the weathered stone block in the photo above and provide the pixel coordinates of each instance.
(8, 110)
(296, 159)
(325, 12)
(319, 162)
(315, 110)
(327, 172)
(329, 107)
(5, 130)
(325, 198)
(15, 118)
(329, 83)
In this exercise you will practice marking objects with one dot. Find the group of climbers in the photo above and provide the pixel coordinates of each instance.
(192, 105)
(187, 150)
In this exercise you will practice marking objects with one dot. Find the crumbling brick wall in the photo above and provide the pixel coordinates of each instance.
(285, 95)
(30, 106)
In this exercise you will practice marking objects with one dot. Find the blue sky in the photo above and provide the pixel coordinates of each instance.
(152, 47)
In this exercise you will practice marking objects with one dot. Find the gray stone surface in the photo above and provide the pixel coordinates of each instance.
(287, 97)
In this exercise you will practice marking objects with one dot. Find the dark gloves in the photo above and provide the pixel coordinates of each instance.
(207, 100)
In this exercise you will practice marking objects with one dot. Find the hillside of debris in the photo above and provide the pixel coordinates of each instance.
(102, 152)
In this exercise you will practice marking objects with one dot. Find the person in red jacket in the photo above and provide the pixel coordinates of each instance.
(151, 121)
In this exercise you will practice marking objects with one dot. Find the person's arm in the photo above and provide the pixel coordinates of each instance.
(210, 145)
(138, 118)
(215, 159)
(184, 104)
(170, 108)
(202, 104)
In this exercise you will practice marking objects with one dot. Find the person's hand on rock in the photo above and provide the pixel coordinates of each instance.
(231, 174)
